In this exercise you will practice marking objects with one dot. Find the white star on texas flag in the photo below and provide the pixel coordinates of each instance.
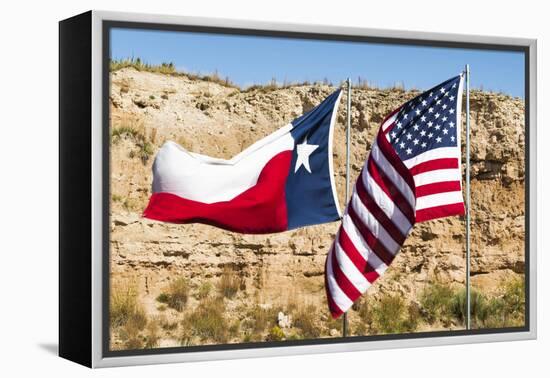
(304, 150)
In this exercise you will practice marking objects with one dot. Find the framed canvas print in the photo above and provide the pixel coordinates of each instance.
(234, 189)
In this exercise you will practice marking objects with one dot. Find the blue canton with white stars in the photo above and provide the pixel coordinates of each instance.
(427, 122)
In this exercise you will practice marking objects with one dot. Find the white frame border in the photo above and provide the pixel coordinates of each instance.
(97, 196)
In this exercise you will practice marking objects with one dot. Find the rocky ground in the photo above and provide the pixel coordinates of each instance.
(284, 271)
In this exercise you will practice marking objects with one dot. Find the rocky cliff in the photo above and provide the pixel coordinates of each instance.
(218, 120)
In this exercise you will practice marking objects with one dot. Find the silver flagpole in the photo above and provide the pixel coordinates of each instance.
(348, 142)
(468, 304)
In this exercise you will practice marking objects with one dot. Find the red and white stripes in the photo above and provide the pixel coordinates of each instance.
(376, 222)
(389, 197)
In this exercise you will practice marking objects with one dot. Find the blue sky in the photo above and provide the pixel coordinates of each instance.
(250, 60)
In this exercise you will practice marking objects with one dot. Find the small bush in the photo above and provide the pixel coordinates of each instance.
(304, 319)
(124, 307)
(229, 283)
(144, 151)
(234, 328)
(207, 321)
(478, 306)
(436, 301)
(276, 334)
(392, 315)
(166, 324)
(176, 295)
(117, 198)
(130, 335)
(152, 335)
(364, 310)
(260, 319)
(514, 297)
(167, 69)
(203, 290)
(125, 130)
(442, 303)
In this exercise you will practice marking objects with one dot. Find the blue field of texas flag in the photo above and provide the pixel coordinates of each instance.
(282, 182)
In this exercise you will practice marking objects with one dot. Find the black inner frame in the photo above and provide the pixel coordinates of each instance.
(107, 25)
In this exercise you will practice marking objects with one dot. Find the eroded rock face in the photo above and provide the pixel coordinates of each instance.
(212, 119)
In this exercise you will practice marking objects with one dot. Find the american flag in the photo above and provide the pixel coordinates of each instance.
(412, 175)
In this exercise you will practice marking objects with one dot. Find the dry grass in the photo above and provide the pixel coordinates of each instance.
(230, 283)
(259, 319)
(276, 334)
(168, 68)
(392, 315)
(125, 307)
(203, 291)
(207, 322)
(127, 315)
(445, 304)
(176, 294)
(436, 302)
(132, 127)
(304, 320)
(152, 335)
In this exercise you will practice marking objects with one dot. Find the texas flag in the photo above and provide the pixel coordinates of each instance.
(282, 182)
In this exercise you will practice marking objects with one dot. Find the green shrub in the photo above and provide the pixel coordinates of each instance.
(479, 309)
(276, 334)
(436, 301)
(442, 303)
(514, 296)
(126, 130)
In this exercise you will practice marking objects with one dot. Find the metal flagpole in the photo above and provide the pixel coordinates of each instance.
(468, 304)
(348, 142)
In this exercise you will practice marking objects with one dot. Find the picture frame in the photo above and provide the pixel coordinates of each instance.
(84, 251)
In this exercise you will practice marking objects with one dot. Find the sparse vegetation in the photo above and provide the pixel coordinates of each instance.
(138, 64)
(117, 198)
(250, 313)
(448, 305)
(230, 283)
(207, 322)
(203, 290)
(152, 335)
(124, 306)
(436, 301)
(127, 315)
(364, 310)
(126, 130)
(304, 319)
(259, 319)
(392, 315)
(144, 151)
(176, 295)
(132, 127)
(167, 68)
(276, 334)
